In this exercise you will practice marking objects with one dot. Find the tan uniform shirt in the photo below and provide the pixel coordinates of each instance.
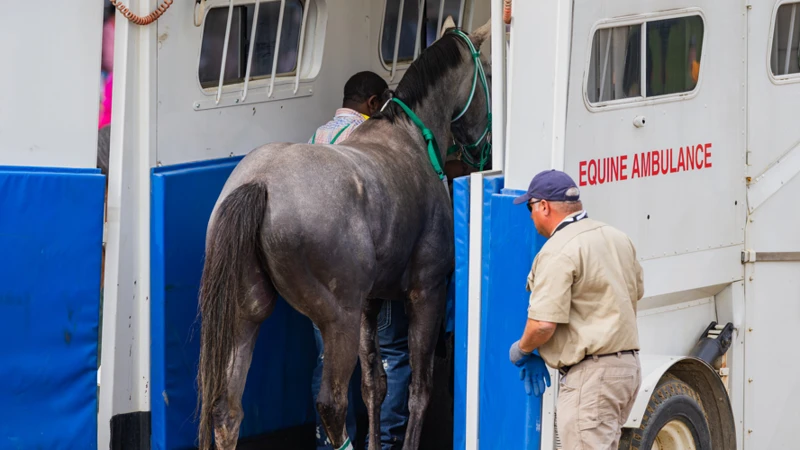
(586, 278)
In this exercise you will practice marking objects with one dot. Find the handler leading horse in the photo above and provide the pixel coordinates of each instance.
(329, 227)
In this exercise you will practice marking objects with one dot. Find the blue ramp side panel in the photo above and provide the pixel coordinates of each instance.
(51, 234)
(491, 185)
(510, 251)
(461, 234)
(278, 391)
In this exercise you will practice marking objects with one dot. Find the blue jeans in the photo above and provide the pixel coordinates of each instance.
(393, 340)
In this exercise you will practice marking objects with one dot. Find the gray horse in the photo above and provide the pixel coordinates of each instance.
(329, 227)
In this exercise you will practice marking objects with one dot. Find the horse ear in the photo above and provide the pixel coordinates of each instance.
(448, 24)
(479, 36)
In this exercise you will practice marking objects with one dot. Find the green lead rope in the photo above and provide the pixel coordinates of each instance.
(433, 148)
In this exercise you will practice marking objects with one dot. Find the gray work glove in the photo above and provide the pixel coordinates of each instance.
(516, 355)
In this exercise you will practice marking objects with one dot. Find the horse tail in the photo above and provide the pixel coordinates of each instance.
(233, 237)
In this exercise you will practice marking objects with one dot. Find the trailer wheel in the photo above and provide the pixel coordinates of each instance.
(674, 420)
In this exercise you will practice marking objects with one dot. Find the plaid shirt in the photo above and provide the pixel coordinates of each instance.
(345, 117)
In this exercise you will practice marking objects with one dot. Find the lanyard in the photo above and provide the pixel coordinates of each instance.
(314, 138)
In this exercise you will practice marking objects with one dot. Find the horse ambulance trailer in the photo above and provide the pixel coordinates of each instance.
(673, 116)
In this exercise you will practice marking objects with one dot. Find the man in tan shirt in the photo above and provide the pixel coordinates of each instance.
(584, 283)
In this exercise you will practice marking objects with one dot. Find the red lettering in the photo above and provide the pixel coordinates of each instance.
(592, 172)
(646, 165)
(582, 173)
(602, 167)
(689, 158)
(656, 162)
(681, 161)
(622, 166)
(614, 169)
(635, 172)
(672, 168)
(697, 150)
(708, 155)
(664, 162)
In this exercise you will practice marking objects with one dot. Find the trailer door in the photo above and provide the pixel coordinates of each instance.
(654, 121)
(655, 139)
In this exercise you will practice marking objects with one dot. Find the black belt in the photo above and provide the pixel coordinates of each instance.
(566, 369)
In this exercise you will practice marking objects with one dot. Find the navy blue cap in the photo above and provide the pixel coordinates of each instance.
(551, 185)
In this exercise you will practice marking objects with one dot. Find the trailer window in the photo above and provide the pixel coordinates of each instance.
(673, 49)
(239, 42)
(431, 20)
(785, 38)
(615, 70)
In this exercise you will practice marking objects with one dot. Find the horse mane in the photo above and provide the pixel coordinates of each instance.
(431, 65)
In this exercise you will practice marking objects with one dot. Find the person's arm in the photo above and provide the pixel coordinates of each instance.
(550, 283)
(536, 334)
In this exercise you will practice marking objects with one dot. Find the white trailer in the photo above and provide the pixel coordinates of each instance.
(673, 115)
(675, 119)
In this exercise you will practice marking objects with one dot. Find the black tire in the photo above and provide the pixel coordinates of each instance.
(672, 400)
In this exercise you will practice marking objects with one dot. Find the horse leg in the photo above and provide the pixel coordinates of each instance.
(258, 305)
(228, 413)
(424, 316)
(340, 342)
(373, 378)
(254, 307)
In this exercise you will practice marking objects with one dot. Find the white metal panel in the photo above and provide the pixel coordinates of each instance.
(691, 271)
(772, 128)
(730, 308)
(772, 388)
(498, 95)
(50, 96)
(539, 51)
(125, 378)
(674, 329)
(673, 213)
(772, 391)
(780, 172)
(775, 225)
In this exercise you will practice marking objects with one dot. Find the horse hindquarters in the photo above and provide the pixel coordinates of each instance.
(235, 297)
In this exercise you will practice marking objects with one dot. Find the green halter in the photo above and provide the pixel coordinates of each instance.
(486, 149)
(433, 148)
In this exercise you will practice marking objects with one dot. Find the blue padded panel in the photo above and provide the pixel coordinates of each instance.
(461, 223)
(491, 185)
(51, 234)
(512, 244)
(278, 391)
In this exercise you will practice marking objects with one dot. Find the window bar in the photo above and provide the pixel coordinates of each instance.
(643, 61)
(277, 49)
(605, 63)
(420, 9)
(471, 14)
(250, 52)
(789, 44)
(397, 38)
(461, 13)
(441, 19)
(225, 52)
(306, 7)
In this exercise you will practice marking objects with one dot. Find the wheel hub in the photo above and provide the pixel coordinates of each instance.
(675, 435)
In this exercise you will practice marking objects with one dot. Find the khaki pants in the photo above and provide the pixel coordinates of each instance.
(594, 400)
